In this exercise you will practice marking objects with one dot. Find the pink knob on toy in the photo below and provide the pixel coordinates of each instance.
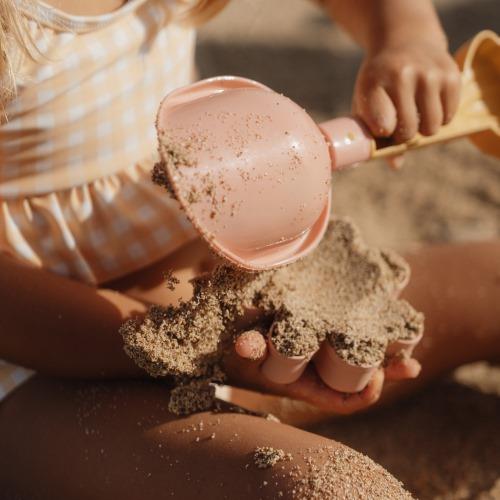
(350, 141)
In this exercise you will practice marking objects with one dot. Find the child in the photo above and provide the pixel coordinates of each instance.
(85, 238)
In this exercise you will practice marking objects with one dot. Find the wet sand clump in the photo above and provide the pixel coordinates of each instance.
(344, 292)
(364, 351)
(193, 397)
(159, 176)
(266, 456)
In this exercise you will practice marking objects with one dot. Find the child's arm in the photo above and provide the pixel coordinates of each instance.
(61, 327)
(408, 81)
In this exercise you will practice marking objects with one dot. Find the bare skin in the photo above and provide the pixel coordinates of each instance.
(458, 288)
(116, 439)
(93, 348)
(120, 432)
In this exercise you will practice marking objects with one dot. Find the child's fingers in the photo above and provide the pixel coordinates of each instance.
(376, 109)
(243, 361)
(251, 345)
(450, 94)
(429, 103)
(402, 93)
(367, 397)
(403, 369)
(311, 389)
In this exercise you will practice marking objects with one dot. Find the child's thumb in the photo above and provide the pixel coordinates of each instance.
(251, 345)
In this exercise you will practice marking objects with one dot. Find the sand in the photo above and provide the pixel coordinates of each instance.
(191, 397)
(344, 292)
(346, 475)
(172, 155)
(171, 281)
(327, 472)
(448, 193)
(266, 456)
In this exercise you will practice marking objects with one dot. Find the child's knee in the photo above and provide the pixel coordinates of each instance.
(120, 440)
(239, 456)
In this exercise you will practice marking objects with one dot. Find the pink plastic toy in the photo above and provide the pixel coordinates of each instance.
(283, 369)
(339, 374)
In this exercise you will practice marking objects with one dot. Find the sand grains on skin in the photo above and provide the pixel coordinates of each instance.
(328, 472)
(345, 474)
(266, 456)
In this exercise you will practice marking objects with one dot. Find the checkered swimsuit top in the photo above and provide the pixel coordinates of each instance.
(78, 145)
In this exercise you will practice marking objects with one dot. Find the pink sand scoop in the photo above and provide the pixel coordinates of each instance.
(258, 185)
(255, 172)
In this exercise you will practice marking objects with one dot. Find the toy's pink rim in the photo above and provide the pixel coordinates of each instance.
(403, 347)
(338, 374)
(283, 369)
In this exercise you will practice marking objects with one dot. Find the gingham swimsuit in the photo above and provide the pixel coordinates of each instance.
(79, 142)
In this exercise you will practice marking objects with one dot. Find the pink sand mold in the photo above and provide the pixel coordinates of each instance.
(334, 371)
(338, 374)
(403, 348)
(282, 369)
(270, 164)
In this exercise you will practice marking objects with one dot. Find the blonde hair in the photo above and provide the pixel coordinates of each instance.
(14, 34)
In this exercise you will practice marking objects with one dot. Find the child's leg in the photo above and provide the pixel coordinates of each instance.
(148, 285)
(458, 289)
(117, 440)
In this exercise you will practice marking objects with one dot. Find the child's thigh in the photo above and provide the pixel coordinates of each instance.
(105, 440)
(148, 284)
(117, 440)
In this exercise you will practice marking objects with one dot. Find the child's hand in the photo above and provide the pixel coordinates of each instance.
(245, 370)
(405, 87)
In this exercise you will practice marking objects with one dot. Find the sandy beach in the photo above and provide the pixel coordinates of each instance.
(444, 442)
